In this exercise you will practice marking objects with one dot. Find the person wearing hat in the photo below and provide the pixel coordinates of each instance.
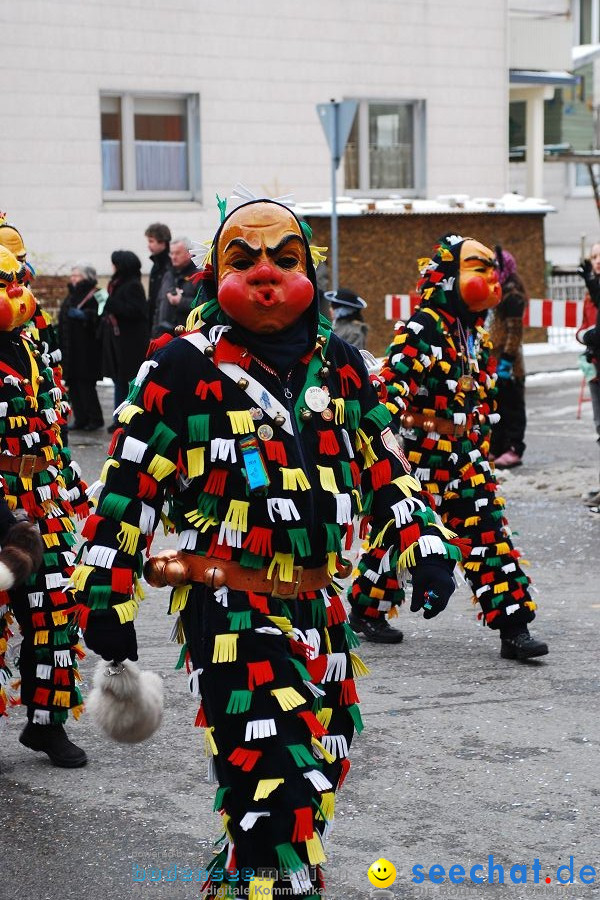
(261, 429)
(346, 312)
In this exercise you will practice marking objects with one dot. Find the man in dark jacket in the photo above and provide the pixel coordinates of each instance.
(177, 291)
(159, 238)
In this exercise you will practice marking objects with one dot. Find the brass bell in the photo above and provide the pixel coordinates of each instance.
(428, 425)
(321, 339)
(214, 577)
(305, 415)
(176, 572)
(243, 383)
(408, 420)
(209, 350)
(279, 419)
(40, 379)
(481, 418)
(26, 381)
(154, 568)
(179, 329)
(324, 371)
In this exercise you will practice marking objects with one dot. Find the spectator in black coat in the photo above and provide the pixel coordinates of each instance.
(80, 346)
(177, 291)
(159, 239)
(125, 330)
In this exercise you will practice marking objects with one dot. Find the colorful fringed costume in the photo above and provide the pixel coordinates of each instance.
(275, 671)
(440, 382)
(50, 491)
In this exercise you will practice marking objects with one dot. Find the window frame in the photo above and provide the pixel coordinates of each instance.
(130, 192)
(418, 149)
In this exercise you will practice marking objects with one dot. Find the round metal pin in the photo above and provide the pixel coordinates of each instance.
(316, 399)
(265, 432)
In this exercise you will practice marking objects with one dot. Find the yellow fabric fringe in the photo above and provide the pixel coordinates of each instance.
(180, 598)
(225, 648)
(314, 849)
(358, 666)
(195, 461)
(127, 611)
(324, 716)
(285, 562)
(241, 421)
(209, 742)
(128, 412)
(128, 538)
(294, 479)
(327, 477)
(266, 786)
(237, 515)
(325, 753)
(160, 467)
(288, 698)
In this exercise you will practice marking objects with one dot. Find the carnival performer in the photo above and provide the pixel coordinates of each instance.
(41, 482)
(440, 384)
(261, 429)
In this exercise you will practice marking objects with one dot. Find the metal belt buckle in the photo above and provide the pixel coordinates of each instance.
(27, 467)
(294, 586)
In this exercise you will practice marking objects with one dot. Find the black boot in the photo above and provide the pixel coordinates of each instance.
(521, 645)
(53, 740)
(379, 631)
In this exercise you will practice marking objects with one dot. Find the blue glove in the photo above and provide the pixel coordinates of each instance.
(433, 585)
(75, 313)
(505, 369)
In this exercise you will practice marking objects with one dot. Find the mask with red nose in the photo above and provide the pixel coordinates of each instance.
(262, 269)
(17, 303)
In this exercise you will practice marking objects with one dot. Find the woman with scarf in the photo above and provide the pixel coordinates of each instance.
(126, 326)
(80, 346)
(506, 333)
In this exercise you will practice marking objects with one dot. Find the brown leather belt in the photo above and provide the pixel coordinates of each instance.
(173, 568)
(432, 423)
(25, 466)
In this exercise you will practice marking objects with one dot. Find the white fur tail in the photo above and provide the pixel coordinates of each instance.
(126, 703)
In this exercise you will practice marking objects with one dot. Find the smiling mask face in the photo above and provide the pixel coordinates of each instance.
(17, 303)
(261, 268)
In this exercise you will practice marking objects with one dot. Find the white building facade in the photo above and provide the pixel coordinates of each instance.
(119, 113)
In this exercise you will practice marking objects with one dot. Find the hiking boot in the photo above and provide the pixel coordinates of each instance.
(521, 646)
(379, 631)
(53, 740)
(508, 460)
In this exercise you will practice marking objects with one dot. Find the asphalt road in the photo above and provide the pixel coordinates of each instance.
(464, 755)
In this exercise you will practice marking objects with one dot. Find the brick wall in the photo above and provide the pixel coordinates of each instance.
(378, 254)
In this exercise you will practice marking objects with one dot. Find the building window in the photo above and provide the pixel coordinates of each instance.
(150, 146)
(385, 150)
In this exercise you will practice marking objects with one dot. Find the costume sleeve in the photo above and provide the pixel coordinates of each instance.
(144, 459)
(410, 356)
(400, 513)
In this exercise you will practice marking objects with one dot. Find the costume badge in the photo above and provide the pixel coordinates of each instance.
(327, 414)
(256, 413)
(466, 383)
(265, 432)
(256, 471)
(316, 399)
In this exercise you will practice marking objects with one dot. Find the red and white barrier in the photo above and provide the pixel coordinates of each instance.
(539, 313)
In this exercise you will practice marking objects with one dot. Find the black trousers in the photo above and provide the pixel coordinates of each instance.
(85, 403)
(509, 432)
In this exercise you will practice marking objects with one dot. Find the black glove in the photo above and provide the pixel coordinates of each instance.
(433, 585)
(584, 270)
(105, 635)
(592, 282)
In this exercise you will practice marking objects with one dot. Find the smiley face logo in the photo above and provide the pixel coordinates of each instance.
(381, 873)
